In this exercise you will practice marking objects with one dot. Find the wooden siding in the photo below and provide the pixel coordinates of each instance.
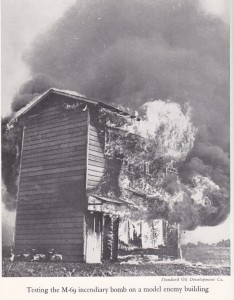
(96, 159)
(51, 197)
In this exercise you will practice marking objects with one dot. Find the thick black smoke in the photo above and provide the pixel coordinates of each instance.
(31, 89)
(130, 52)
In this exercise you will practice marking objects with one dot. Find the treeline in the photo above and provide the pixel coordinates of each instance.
(222, 243)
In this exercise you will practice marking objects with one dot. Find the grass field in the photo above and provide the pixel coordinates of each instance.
(197, 261)
(59, 269)
(207, 255)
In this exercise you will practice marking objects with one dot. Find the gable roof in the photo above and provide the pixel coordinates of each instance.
(69, 94)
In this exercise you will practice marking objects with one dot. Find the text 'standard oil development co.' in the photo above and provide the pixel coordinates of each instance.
(123, 289)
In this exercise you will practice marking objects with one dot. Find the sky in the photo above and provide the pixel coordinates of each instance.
(30, 18)
(22, 23)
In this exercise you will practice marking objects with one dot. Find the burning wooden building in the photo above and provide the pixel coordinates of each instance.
(68, 195)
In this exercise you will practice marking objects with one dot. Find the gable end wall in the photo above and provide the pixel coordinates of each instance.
(51, 197)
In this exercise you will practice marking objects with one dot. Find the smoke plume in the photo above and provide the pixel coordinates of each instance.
(130, 52)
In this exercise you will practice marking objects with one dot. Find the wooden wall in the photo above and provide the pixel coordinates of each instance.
(96, 159)
(51, 199)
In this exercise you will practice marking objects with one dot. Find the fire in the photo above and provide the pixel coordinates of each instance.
(148, 153)
(168, 128)
(202, 186)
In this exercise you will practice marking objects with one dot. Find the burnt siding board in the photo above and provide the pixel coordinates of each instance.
(50, 181)
(44, 197)
(95, 178)
(55, 137)
(55, 220)
(49, 237)
(53, 162)
(51, 226)
(66, 124)
(35, 172)
(57, 141)
(46, 126)
(55, 134)
(58, 175)
(47, 242)
(51, 210)
(56, 147)
(56, 129)
(50, 159)
(55, 117)
(96, 154)
(44, 216)
(72, 223)
(95, 171)
(68, 247)
(51, 155)
(56, 166)
(51, 233)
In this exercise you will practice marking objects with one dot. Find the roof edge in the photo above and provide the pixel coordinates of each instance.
(67, 93)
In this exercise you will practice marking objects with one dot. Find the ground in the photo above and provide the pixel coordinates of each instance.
(59, 269)
(203, 261)
(207, 254)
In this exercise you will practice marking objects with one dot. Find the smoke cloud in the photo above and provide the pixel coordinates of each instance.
(31, 89)
(132, 52)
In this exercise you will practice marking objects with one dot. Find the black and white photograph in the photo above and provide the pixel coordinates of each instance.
(116, 140)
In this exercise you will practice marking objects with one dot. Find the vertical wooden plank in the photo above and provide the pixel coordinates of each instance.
(84, 236)
(85, 232)
(103, 236)
(93, 238)
(110, 237)
(115, 242)
(87, 149)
